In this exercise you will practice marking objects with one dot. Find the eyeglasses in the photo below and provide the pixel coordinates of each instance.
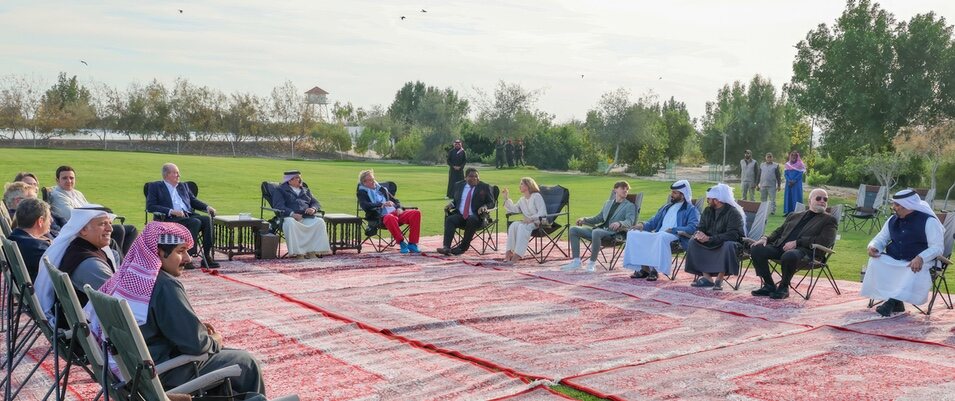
(822, 199)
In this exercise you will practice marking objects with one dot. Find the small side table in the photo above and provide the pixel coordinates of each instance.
(344, 231)
(235, 236)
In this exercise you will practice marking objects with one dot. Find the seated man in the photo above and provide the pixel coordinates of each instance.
(470, 199)
(82, 251)
(27, 177)
(14, 193)
(902, 253)
(616, 216)
(378, 203)
(712, 250)
(648, 244)
(305, 233)
(147, 281)
(65, 197)
(792, 242)
(30, 234)
(173, 199)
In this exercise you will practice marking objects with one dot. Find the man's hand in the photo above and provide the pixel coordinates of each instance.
(482, 210)
(789, 246)
(873, 252)
(701, 237)
(211, 210)
(637, 227)
(297, 216)
(760, 242)
(209, 328)
(310, 211)
(388, 204)
(614, 226)
(580, 222)
(177, 213)
(916, 264)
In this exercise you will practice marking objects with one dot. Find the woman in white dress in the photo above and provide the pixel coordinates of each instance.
(531, 206)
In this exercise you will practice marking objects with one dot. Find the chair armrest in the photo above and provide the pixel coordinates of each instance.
(822, 248)
(179, 361)
(320, 212)
(410, 207)
(944, 260)
(208, 380)
(271, 209)
(509, 214)
(122, 219)
(684, 234)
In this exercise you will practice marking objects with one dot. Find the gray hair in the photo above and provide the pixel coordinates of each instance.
(31, 210)
(364, 174)
(166, 168)
(17, 190)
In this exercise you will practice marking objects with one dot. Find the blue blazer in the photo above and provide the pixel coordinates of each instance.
(158, 200)
(686, 220)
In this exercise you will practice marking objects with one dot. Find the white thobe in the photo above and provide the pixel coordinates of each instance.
(886, 277)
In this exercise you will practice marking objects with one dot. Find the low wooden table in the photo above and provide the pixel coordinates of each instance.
(235, 236)
(344, 231)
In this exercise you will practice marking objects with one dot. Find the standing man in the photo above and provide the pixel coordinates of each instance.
(792, 242)
(509, 150)
(616, 216)
(769, 180)
(519, 152)
(174, 199)
(499, 153)
(471, 199)
(457, 158)
(902, 253)
(65, 197)
(747, 175)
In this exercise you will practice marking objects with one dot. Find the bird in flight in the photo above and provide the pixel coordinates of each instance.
(423, 10)
(402, 17)
(180, 11)
(84, 62)
(660, 78)
(581, 76)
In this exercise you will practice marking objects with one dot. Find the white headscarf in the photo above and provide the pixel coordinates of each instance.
(724, 193)
(289, 175)
(683, 186)
(911, 200)
(79, 218)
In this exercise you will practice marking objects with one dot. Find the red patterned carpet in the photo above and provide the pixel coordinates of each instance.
(387, 326)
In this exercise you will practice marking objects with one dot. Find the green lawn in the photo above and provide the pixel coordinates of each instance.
(231, 185)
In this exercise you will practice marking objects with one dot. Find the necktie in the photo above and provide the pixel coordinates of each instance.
(467, 203)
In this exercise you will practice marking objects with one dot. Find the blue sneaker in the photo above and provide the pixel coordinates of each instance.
(413, 248)
(404, 247)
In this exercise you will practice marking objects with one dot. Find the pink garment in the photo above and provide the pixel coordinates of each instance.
(797, 165)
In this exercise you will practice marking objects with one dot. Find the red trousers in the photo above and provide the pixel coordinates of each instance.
(410, 217)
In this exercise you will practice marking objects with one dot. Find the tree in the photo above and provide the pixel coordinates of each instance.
(108, 108)
(923, 80)
(291, 115)
(678, 127)
(886, 167)
(331, 137)
(19, 101)
(509, 114)
(934, 143)
(435, 114)
(64, 108)
(158, 108)
(242, 118)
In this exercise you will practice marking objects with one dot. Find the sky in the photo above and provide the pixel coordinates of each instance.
(362, 51)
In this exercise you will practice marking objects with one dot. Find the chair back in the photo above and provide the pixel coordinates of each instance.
(120, 327)
(637, 200)
(756, 215)
(556, 198)
(77, 320)
(699, 203)
(927, 194)
(45, 193)
(948, 222)
(6, 223)
(193, 187)
(870, 196)
(25, 287)
(267, 189)
(389, 185)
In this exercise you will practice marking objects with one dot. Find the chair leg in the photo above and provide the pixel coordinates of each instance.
(739, 278)
(680, 259)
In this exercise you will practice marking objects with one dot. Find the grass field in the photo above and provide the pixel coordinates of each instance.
(231, 185)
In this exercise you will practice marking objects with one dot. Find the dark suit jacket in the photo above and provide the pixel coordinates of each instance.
(158, 200)
(482, 196)
(31, 249)
(373, 209)
(288, 202)
(821, 229)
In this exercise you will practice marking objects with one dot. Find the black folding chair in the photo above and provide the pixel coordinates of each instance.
(608, 259)
(815, 266)
(374, 227)
(157, 216)
(756, 215)
(486, 236)
(544, 239)
(868, 209)
(268, 190)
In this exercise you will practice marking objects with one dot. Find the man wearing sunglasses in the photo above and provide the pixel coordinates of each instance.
(791, 243)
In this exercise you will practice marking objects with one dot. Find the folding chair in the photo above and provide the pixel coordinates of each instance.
(927, 194)
(545, 237)
(756, 215)
(676, 249)
(486, 236)
(615, 243)
(6, 223)
(816, 265)
(61, 344)
(868, 209)
(373, 226)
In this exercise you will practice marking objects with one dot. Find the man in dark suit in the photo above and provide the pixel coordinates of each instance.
(470, 198)
(33, 226)
(457, 158)
(173, 199)
(792, 242)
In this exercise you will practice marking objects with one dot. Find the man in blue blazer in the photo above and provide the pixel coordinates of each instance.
(174, 199)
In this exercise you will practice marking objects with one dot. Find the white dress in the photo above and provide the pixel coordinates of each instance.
(519, 232)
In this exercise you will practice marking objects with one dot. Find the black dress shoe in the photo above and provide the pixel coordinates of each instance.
(781, 293)
(456, 251)
(640, 274)
(899, 306)
(764, 291)
(210, 264)
(885, 309)
(652, 276)
(443, 251)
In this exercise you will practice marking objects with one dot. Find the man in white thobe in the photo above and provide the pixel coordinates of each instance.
(648, 244)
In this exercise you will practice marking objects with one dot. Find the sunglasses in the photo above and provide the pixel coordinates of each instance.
(822, 199)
